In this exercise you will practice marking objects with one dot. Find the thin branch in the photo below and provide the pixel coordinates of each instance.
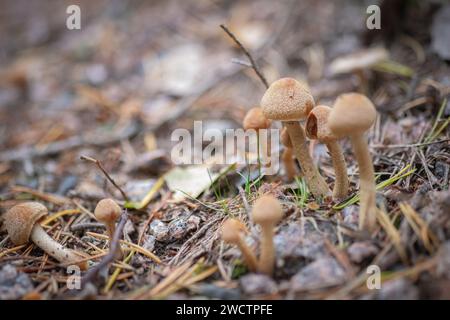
(247, 53)
(109, 258)
(100, 166)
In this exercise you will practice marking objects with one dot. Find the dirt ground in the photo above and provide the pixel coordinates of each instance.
(115, 91)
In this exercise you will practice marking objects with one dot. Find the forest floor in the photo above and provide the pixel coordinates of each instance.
(138, 70)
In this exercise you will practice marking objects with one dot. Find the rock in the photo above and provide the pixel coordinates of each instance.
(138, 189)
(400, 289)
(359, 251)
(443, 264)
(159, 230)
(323, 272)
(215, 292)
(193, 223)
(257, 284)
(13, 285)
(178, 228)
(440, 30)
(351, 215)
(149, 242)
(290, 242)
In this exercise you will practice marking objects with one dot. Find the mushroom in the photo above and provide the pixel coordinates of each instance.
(288, 156)
(317, 128)
(255, 119)
(21, 222)
(267, 213)
(289, 101)
(107, 212)
(358, 62)
(352, 115)
(231, 232)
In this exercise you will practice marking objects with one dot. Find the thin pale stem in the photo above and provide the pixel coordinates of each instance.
(314, 180)
(53, 248)
(367, 211)
(111, 229)
(267, 256)
(248, 255)
(341, 184)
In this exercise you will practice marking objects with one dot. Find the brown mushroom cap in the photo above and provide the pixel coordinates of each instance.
(287, 100)
(20, 220)
(317, 124)
(267, 210)
(352, 113)
(107, 211)
(231, 230)
(255, 119)
(285, 138)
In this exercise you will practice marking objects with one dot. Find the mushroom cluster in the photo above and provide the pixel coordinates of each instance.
(267, 212)
(352, 114)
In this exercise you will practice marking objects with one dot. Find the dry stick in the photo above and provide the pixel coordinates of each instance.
(247, 53)
(100, 166)
(113, 247)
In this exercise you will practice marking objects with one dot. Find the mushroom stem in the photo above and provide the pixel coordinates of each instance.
(55, 249)
(288, 162)
(267, 257)
(314, 180)
(247, 254)
(367, 213)
(341, 183)
(111, 229)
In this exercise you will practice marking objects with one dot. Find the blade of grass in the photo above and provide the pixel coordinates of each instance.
(380, 186)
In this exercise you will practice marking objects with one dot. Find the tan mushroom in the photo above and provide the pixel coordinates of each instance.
(255, 119)
(232, 232)
(289, 101)
(21, 222)
(352, 115)
(317, 128)
(288, 155)
(108, 212)
(267, 212)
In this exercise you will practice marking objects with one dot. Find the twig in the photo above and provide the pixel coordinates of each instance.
(100, 166)
(87, 225)
(113, 247)
(247, 53)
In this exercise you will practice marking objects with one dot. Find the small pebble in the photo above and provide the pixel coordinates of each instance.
(257, 284)
(13, 285)
(159, 230)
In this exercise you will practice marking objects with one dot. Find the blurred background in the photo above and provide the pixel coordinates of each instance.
(139, 69)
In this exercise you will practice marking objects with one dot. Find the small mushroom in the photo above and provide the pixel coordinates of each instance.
(317, 128)
(267, 212)
(255, 119)
(231, 232)
(107, 212)
(21, 222)
(288, 156)
(289, 101)
(352, 115)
